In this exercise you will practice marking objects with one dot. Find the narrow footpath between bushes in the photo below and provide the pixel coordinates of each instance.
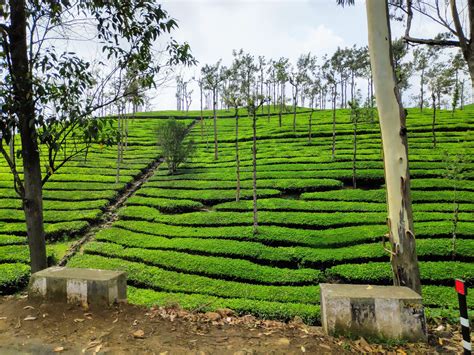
(110, 213)
(28, 327)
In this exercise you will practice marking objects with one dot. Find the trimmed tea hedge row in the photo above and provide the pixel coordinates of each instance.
(275, 235)
(280, 204)
(204, 196)
(211, 266)
(13, 276)
(293, 256)
(288, 218)
(52, 205)
(431, 272)
(165, 205)
(309, 313)
(158, 279)
(281, 184)
(379, 196)
(52, 216)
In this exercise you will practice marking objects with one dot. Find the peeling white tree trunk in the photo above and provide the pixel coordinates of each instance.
(394, 139)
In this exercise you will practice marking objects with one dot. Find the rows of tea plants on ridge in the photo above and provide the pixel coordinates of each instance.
(183, 238)
(74, 197)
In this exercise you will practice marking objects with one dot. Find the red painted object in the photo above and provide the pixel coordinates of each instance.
(460, 287)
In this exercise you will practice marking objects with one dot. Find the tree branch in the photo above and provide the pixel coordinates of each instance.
(457, 25)
(433, 42)
(50, 172)
(470, 7)
(409, 12)
(4, 28)
(20, 190)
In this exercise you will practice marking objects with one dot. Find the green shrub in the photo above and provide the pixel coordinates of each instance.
(13, 277)
(310, 314)
(431, 272)
(165, 205)
(207, 197)
(170, 281)
(224, 268)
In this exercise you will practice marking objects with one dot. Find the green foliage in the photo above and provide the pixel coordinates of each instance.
(165, 205)
(171, 135)
(146, 276)
(13, 276)
(431, 272)
(223, 268)
(310, 314)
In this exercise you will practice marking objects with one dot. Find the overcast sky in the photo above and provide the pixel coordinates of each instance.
(273, 28)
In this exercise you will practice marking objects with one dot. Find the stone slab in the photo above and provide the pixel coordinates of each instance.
(74, 285)
(388, 312)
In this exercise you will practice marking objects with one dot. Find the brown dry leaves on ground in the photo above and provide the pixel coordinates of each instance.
(28, 327)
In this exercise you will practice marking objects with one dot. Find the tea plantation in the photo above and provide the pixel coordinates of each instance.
(183, 239)
(74, 198)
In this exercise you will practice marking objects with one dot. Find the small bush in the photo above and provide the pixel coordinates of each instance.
(171, 136)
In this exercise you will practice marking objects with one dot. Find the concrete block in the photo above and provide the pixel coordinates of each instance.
(388, 312)
(92, 286)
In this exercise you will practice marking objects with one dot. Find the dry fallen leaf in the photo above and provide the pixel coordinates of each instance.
(97, 348)
(58, 349)
(283, 341)
(28, 307)
(30, 318)
(78, 320)
(303, 349)
(3, 318)
(139, 334)
(135, 322)
(369, 287)
(115, 320)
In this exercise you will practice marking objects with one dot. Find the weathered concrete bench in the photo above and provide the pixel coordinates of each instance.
(387, 312)
(92, 286)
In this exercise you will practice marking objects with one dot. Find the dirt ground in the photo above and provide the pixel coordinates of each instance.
(28, 327)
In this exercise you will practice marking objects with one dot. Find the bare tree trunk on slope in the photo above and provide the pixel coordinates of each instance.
(394, 138)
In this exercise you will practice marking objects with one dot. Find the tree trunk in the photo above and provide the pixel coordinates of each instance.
(433, 97)
(471, 74)
(25, 110)
(214, 103)
(354, 156)
(281, 109)
(310, 126)
(117, 173)
(422, 90)
(202, 122)
(294, 109)
(237, 159)
(334, 96)
(254, 173)
(12, 147)
(394, 140)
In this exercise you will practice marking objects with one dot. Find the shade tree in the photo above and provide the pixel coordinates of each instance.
(212, 76)
(51, 96)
